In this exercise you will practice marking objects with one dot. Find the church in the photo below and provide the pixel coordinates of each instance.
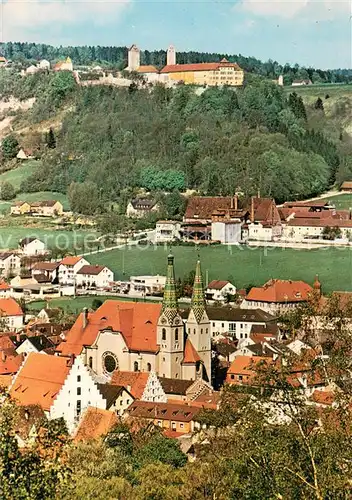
(142, 336)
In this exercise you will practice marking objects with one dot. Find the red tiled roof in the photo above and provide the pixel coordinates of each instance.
(147, 69)
(202, 207)
(245, 366)
(309, 204)
(5, 381)
(40, 379)
(280, 291)
(95, 423)
(346, 185)
(94, 270)
(46, 266)
(9, 307)
(163, 411)
(191, 355)
(217, 284)
(70, 260)
(323, 397)
(135, 382)
(137, 322)
(321, 222)
(214, 66)
(10, 363)
(4, 286)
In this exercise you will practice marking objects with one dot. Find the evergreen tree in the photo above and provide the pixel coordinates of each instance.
(319, 104)
(50, 139)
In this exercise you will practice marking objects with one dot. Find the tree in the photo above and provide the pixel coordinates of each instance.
(319, 104)
(50, 139)
(84, 198)
(96, 303)
(7, 191)
(9, 147)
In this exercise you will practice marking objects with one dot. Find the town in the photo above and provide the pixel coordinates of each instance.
(175, 320)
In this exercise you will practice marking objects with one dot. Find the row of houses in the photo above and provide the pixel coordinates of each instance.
(229, 221)
(45, 208)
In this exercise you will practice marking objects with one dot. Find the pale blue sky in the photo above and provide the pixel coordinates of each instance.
(309, 32)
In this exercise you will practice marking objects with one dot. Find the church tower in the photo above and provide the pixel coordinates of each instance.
(134, 57)
(198, 324)
(170, 329)
(171, 56)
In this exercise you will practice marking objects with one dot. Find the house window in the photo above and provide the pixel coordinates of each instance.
(222, 325)
(213, 325)
(78, 407)
(135, 366)
(181, 426)
(201, 330)
(149, 367)
(176, 335)
(90, 362)
(78, 378)
(110, 363)
(163, 334)
(232, 377)
(240, 377)
(78, 391)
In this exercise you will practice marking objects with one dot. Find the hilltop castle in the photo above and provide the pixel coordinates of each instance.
(212, 74)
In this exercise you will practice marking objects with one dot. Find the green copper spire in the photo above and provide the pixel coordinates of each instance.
(198, 298)
(170, 306)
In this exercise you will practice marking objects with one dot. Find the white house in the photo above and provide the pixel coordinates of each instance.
(147, 284)
(11, 314)
(218, 290)
(301, 229)
(140, 207)
(44, 64)
(31, 70)
(68, 269)
(235, 322)
(10, 263)
(94, 276)
(32, 246)
(38, 343)
(228, 232)
(167, 230)
(63, 387)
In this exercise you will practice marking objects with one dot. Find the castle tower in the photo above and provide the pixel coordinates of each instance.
(170, 329)
(171, 56)
(134, 58)
(198, 324)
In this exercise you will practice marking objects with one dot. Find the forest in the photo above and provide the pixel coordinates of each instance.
(219, 142)
(117, 57)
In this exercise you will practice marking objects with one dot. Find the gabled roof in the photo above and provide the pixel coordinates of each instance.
(245, 365)
(217, 284)
(70, 260)
(10, 363)
(134, 382)
(263, 209)
(95, 423)
(26, 241)
(163, 411)
(9, 307)
(175, 385)
(44, 203)
(136, 321)
(202, 207)
(110, 393)
(40, 379)
(46, 266)
(191, 355)
(6, 255)
(4, 286)
(143, 203)
(228, 313)
(93, 270)
(346, 185)
(281, 291)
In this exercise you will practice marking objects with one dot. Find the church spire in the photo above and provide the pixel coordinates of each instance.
(170, 306)
(198, 298)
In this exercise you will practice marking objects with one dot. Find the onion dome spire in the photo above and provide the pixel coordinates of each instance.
(170, 305)
(198, 303)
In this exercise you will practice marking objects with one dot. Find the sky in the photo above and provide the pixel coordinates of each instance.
(308, 32)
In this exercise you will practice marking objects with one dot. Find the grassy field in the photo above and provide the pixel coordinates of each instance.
(74, 305)
(341, 201)
(10, 236)
(244, 266)
(17, 175)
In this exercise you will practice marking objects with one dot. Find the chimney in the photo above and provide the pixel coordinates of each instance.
(252, 209)
(85, 318)
(231, 202)
(258, 193)
(236, 201)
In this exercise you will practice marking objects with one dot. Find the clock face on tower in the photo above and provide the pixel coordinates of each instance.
(163, 321)
(177, 321)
